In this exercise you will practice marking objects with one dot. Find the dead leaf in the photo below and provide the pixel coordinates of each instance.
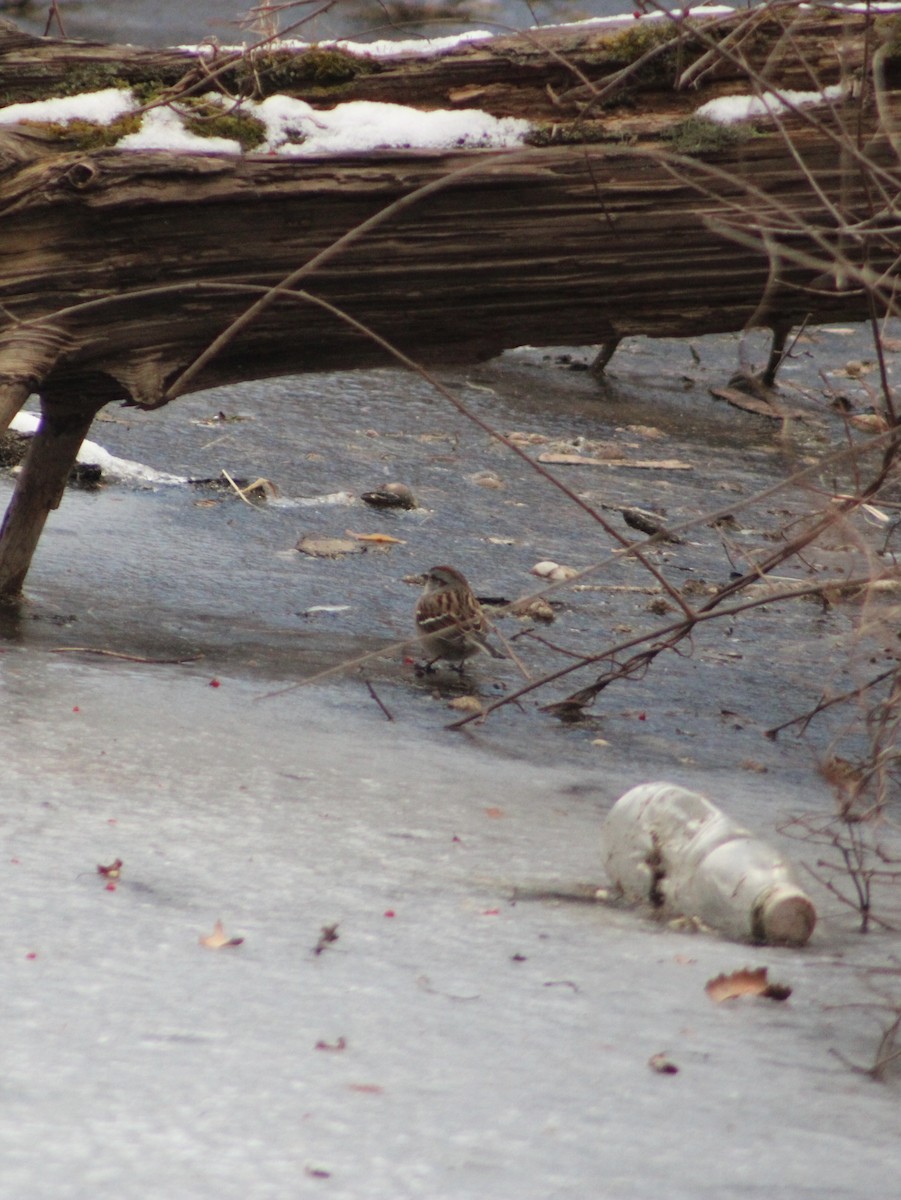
(578, 460)
(381, 538)
(486, 479)
(526, 439)
(856, 367)
(646, 431)
(494, 813)
(466, 704)
(751, 404)
(219, 938)
(662, 1065)
(869, 422)
(745, 982)
(326, 547)
(531, 609)
(113, 871)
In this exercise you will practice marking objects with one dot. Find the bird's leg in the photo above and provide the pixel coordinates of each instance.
(781, 330)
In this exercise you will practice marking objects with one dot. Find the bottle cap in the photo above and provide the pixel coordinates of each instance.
(784, 916)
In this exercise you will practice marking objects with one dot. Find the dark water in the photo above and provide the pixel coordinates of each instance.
(171, 22)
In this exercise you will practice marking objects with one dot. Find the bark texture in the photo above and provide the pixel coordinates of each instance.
(121, 268)
(130, 264)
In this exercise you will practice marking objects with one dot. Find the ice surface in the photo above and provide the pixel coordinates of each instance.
(494, 1047)
(497, 1034)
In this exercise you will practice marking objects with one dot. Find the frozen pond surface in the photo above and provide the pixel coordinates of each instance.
(495, 1034)
(170, 22)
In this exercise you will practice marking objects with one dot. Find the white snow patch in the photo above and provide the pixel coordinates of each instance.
(102, 108)
(295, 129)
(95, 455)
(163, 129)
(727, 109)
(425, 47)
(701, 10)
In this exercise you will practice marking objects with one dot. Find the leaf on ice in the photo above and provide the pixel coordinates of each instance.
(113, 871)
(467, 704)
(577, 460)
(635, 464)
(219, 938)
(745, 983)
(751, 404)
(327, 547)
(385, 538)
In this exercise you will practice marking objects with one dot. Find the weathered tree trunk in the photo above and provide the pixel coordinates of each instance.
(39, 489)
(121, 268)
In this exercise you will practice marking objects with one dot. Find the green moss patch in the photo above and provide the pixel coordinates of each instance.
(265, 74)
(204, 119)
(89, 135)
(699, 135)
(567, 133)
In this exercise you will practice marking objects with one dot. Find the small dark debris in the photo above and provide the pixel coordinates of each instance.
(13, 447)
(87, 476)
(392, 495)
(328, 935)
(647, 522)
(336, 1046)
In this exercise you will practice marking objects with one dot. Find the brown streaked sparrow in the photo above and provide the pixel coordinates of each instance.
(451, 620)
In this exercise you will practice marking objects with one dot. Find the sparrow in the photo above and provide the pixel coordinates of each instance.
(450, 619)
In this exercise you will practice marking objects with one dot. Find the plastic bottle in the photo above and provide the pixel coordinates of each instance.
(671, 847)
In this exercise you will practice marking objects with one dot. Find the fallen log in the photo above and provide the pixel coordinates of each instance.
(135, 275)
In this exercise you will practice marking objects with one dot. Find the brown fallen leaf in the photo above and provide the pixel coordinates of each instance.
(113, 871)
(466, 704)
(756, 404)
(745, 983)
(385, 538)
(219, 938)
(869, 422)
(532, 609)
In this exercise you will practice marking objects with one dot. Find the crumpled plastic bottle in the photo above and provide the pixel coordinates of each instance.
(672, 848)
